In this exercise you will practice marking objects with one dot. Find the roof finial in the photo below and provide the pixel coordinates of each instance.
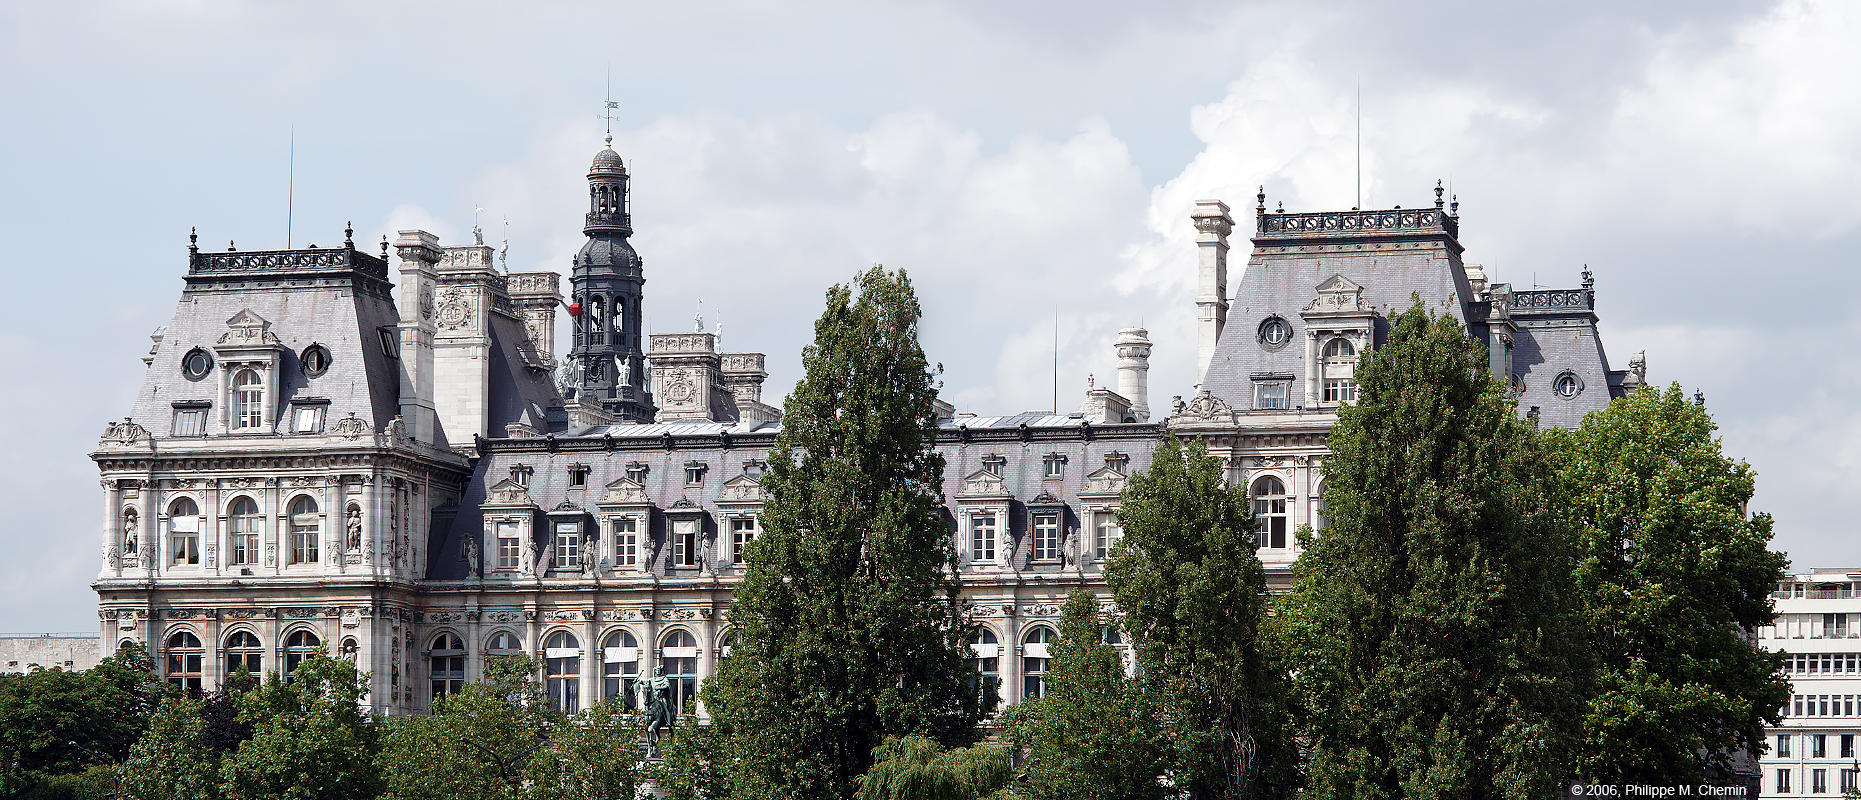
(1438, 193)
(230, 247)
(1261, 200)
(697, 319)
(193, 239)
(1589, 279)
(1453, 206)
(1282, 207)
(384, 247)
(1699, 398)
(348, 234)
(611, 105)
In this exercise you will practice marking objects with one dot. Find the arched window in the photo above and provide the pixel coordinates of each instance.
(503, 643)
(185, 656)
(724, 644)
(1318, 507)
(1270, 511)
(305, 529)
(447, 660)
(1034, 660)
(679, 655)
(985, 654)
(184, 533)
(297, 647)
(562, 671)
(248, 399)
(597, 322)
(620, 666)
(244, 650)
(242, 532)
(1340, 371)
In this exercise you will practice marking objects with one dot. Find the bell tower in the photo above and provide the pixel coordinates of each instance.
(604, 300)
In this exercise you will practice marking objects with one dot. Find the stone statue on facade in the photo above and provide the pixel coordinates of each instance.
(129, 534)
(354, 527)
(655, 699)
(469, 548)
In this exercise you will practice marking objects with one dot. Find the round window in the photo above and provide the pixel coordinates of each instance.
(316, 359)
(1567, 385)
(1275, 332)
(196, 364)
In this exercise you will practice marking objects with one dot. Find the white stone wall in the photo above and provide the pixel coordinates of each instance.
(20, 652)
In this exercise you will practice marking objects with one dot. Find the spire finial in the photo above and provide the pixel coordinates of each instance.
(1261, 200)
(384, 247)
(1438, 193)
(230, 247)
(609, 106)
(193, 238)
(1453, 206)
(348, 234)
(1282, 206)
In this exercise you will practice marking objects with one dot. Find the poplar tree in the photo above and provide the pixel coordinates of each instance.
(1090, 735)
(1430, 622)
(1672, 576)
(1192, 597)
(848, 626)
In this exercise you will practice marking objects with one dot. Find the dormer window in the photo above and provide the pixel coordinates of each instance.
(307, 418)
(315, 360)
(578, 476)
(636, 472)
(248, 400)
(1118, 461)
(1567, 385)
(190, 420)
(1340, 368)
(1053, 466)
(196, 364)
(1271, 394)
(1275, 332)
(521, 474)
(387, 343)
(694, 473)
(995, 464)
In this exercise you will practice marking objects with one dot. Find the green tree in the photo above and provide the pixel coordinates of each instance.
(598, 754)
(58, 722)
(916, 768)
(848, 624)
(1090, 734)
(479, 742)
(1192, 596)
(1431, 623)
(693, 764)
(310, 737)
(174, 759)
(1671, 576)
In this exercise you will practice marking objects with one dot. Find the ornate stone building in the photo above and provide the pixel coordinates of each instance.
(309, 462)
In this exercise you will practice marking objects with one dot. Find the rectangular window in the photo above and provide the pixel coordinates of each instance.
(307, 419)
(190, 422)
(1819, 745)
(685, 542)
(1271, 394)
(626, 541)
(304, 539)
(578, 477)
(510, 545)
(694, 474)
(1106, 533)
(742, 532)
(244, 542)
(387, 343)
(636, 472)
(1340, 390)
(1783, 781)
(1796, 709)
(1047, 536)
(982, 537)
(1783, 745)
(1818, 781)
(1848, 780)
(1848, 743)
(568, 545)
(1055, 467)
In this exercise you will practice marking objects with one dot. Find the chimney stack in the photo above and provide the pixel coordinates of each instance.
(535, 296)
(420, 254)
(1133, 348)
(1212, 226)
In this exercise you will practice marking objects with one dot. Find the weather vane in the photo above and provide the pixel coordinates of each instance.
(610, 106)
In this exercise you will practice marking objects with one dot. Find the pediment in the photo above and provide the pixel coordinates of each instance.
(1105, 481)
(623, 491)
(1337, 294)
(742, 489)
(248, 328)
(982, 483)
(508, 492)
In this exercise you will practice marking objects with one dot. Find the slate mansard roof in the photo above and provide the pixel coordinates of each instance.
(1022, 441)
(1394, 256)
(335, 297)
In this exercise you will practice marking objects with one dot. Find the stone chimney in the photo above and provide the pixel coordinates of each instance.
(470, 293)
(743, 375)
(420, 253)
(1212, 226)
(688, 379)
(1133, 348)
(535, 296)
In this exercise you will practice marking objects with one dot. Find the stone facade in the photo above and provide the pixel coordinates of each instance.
(23, 652)
(309, 462)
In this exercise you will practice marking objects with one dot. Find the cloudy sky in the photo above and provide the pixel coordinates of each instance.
(1025, 161)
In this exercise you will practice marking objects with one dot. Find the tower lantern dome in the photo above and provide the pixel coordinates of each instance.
(605, 294)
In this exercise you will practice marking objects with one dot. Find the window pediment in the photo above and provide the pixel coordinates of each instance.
(624, 492)
(742, 489)
(246, 329)
(983, 485)
(1337, 295)
(508, 493)
(1104, 482)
